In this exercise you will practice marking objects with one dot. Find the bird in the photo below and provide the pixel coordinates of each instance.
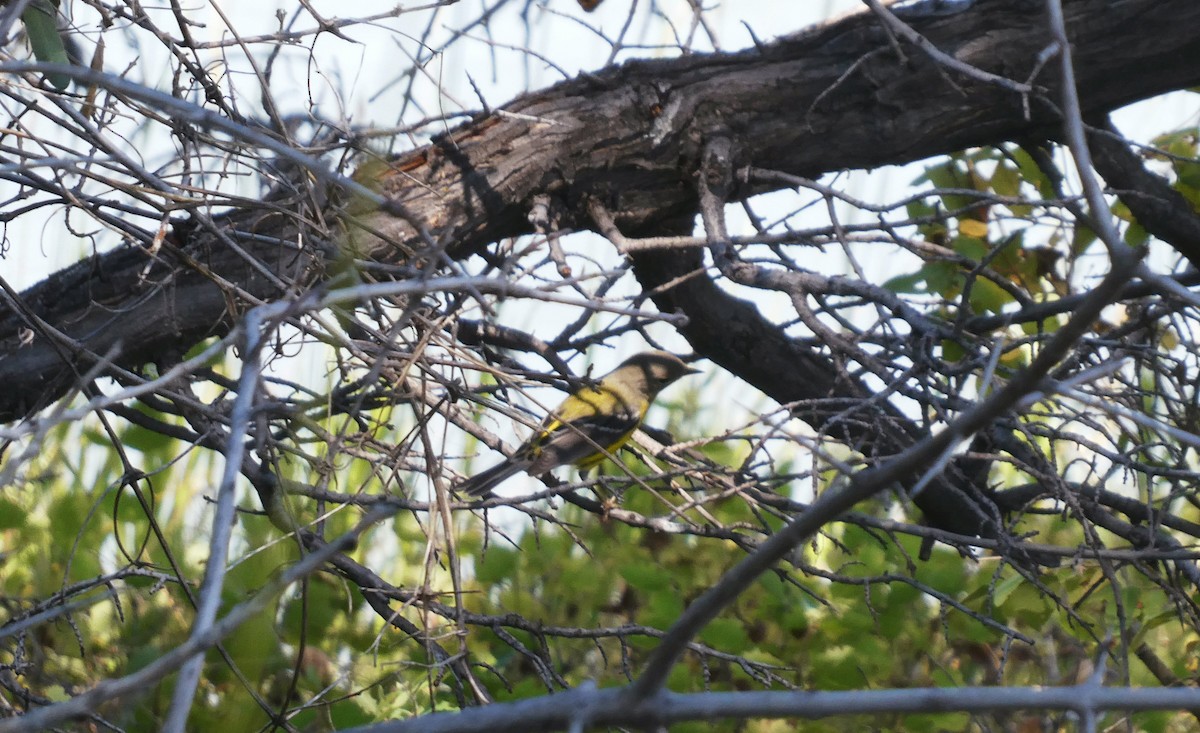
(590, 424)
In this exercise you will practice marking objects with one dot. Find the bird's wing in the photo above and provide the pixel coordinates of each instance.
(595, 416)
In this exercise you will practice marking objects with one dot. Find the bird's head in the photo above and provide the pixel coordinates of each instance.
(656, 369)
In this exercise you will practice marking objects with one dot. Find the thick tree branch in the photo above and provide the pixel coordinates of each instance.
(1162, 210)
(831, 98)
(586, 707)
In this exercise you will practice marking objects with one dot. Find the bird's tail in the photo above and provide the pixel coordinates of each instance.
(482, 483)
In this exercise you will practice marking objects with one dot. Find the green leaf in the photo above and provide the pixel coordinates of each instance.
(1155, 722)
(146, 441)
(950, 175)
(1189, 173)
(952, 350)
(1136, 235)
(12, 515)
(727, 635)
(349, 715)
(1081, 239)
(1152, 623)
(199, 348)
(972, 247)
(663, 608)
(1006, 181)
(988, 296)
(41, 26)
(1006, 587)
(1032, 174)
(645, 576)
(910, 283)
(495, 566)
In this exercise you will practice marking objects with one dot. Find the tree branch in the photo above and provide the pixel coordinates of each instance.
(630, 136)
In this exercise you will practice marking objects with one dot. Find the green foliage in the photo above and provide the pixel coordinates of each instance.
(852, 614)
(41, 26)
(563, 595)
(60, 531)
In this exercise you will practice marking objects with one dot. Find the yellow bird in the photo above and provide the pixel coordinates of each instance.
(592, 423)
